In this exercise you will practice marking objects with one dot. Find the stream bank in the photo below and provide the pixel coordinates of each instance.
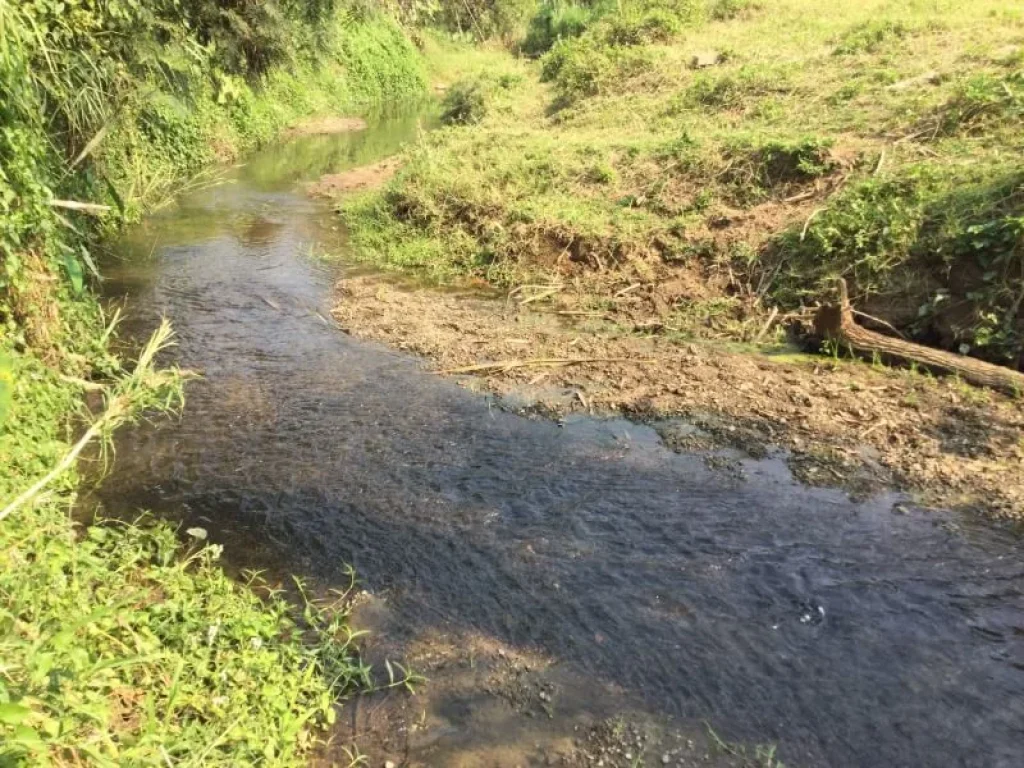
(568, 587)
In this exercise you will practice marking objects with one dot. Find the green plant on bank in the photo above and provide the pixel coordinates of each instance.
(878, 143)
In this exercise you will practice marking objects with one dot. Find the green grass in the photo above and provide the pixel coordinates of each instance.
(878, 141)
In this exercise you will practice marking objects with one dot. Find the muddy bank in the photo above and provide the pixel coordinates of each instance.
(355, 179)
(847, 424)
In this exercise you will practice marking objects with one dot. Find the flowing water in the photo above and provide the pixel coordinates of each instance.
(853, 634)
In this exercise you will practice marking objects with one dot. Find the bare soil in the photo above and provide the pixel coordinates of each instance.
(355, 179)
(845, 423)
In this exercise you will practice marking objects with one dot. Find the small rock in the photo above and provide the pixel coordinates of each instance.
(666, 759)
(390, 764)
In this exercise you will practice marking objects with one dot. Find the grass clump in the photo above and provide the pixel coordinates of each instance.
(871, 36)
(756, 165)
(468, 101)
(120, 646)
(982, 103)
(731, 90)
(726, 10)
(584, 67)
(555, 21)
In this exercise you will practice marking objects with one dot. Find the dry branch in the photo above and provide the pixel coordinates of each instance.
(836, 323)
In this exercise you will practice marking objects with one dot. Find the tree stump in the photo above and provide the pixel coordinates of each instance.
(836, 323)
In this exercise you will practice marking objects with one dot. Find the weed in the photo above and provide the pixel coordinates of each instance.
(980, 101)
(871, 36)
(726, 10)
(730, 90)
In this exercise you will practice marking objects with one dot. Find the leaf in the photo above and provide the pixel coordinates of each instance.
(13, 714)
(114, 195)
(27, 737)
(75, 273)
(87, 258)
(197, 533)
(93, 143)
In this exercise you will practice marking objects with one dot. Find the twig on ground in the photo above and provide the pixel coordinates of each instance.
(508, 365)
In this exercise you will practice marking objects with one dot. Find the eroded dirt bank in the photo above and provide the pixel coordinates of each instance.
(845, 423)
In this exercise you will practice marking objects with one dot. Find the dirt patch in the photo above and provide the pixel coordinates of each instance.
(846, 424)
(355, 179)
(322, 126)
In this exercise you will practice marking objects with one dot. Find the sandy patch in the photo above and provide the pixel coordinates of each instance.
(355, 179)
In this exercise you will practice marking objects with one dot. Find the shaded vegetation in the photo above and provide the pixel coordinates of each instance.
(120, 646)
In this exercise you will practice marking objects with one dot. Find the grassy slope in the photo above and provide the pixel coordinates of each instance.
(811, 151)
(118, 646)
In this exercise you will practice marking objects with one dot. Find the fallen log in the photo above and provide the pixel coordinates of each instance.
(835, 322)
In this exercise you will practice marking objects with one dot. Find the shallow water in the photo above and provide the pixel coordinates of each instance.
(853, 634)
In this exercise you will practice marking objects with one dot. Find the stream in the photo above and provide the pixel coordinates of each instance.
(546, 575)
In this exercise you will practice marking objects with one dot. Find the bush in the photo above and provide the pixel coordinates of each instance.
(555, 21)
(584, 67)
(465, 103)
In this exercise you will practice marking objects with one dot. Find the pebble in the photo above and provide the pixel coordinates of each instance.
(666, 759)
(390, 764)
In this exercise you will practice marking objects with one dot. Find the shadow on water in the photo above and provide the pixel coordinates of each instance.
(853, 634)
